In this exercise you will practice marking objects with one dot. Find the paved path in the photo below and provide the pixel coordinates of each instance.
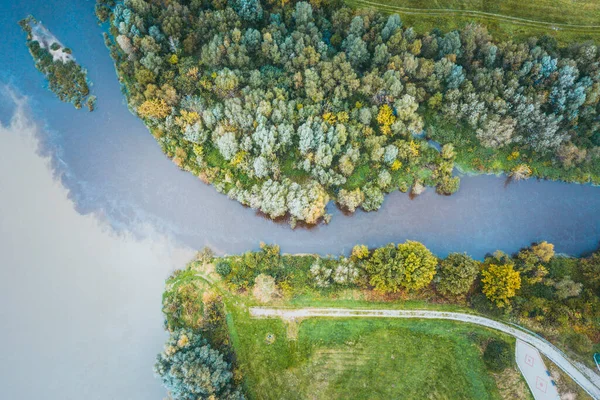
(582, 375)
(534, 371)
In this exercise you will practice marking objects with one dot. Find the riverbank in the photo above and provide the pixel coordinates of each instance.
(261, 284)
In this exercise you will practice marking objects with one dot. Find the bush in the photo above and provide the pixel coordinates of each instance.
(498, 355)
(579, 343)
(223, 268)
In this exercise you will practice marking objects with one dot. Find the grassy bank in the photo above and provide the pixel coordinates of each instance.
(366, 357)
(472, 158)
(336, 359)
(362, 358)
(565, 20)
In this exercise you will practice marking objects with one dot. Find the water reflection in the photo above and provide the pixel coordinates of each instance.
(79, 304)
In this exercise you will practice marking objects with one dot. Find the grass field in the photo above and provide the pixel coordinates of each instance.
(361, 358)
(566, 20)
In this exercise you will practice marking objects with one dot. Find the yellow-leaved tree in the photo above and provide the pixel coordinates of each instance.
(500, 283)
(154, 108)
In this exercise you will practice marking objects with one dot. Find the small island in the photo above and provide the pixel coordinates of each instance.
(264, 324)
(66, 78)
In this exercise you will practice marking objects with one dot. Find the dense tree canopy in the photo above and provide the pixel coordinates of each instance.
(190, 369)
(286, 105)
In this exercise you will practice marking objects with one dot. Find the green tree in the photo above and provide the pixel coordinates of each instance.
(407, 266)
(223, 268)
(191, 369)
(456, 274)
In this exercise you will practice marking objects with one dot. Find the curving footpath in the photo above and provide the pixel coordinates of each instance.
(582, 375)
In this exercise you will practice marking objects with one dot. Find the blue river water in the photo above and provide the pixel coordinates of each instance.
(113, 167)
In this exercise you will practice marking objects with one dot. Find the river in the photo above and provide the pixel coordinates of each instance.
(113, 171)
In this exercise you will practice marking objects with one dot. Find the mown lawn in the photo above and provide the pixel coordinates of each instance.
(361, 358)
(567, 20)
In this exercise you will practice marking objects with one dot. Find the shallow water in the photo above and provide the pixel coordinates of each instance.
(112, 167)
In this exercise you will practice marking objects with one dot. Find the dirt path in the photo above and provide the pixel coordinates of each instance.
(582, 375)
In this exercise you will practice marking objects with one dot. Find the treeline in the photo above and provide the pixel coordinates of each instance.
(66, 79)
(284, 106)
(197, 360)
(554, 295)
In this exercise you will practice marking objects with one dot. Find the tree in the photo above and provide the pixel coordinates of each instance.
(357, 51)
(350, 199)
(303, 13)
(419, 263)
(544, 251)
(456, 274)
(407, 266)
(360, 252)
(373, 197)
(448, 185)
(500, 283)
(530, 262)
(155, 108)
(566, 288)
(191, 369)
(590, 271)
(248, 10)
(393, 23)
(520, 172)
(496, 132)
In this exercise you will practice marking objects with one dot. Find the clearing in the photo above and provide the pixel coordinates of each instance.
(566, 20)
(362, 358)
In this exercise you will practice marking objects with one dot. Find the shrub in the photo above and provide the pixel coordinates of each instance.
(579, 343)
(498, 355)
(321, 274)
(223, 268)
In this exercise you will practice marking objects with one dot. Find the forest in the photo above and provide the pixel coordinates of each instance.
(66, 78)
(284, 106)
